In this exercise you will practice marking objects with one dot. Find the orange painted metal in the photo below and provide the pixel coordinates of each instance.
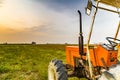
(99, 55)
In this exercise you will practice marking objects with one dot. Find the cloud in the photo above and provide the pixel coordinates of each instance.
(44, 21)
(62, 5)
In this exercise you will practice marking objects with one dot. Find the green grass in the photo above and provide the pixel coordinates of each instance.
(28, 62)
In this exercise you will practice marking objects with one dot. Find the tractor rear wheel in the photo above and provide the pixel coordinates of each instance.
(56, 70)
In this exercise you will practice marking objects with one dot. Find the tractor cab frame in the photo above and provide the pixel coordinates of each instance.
(113, 3)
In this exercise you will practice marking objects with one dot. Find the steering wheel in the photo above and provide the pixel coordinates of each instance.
(113, 42)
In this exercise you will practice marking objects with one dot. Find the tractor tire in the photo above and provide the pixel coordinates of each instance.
(57, 71)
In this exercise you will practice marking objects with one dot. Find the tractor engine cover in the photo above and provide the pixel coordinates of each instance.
(100, 56)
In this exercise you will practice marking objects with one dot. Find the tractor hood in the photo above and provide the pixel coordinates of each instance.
(114, 3)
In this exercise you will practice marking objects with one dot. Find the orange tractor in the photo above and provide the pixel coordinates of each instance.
(88, 61)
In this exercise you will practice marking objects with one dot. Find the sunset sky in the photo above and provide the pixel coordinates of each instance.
(51, 21)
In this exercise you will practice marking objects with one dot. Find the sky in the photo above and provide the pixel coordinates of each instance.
(52, 21)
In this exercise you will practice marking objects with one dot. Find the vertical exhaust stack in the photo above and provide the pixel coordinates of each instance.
(81, 43)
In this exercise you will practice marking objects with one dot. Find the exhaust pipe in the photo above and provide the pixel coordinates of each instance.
(81, 44)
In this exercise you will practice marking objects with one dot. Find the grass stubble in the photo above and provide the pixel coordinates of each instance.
(28, 62)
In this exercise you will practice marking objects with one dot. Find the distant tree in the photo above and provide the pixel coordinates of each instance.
(5, 43)
(33, 42)
(66, 43)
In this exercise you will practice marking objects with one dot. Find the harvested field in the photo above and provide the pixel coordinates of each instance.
(28, 62)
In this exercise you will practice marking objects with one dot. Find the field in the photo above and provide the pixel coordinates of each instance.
(28, 62)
